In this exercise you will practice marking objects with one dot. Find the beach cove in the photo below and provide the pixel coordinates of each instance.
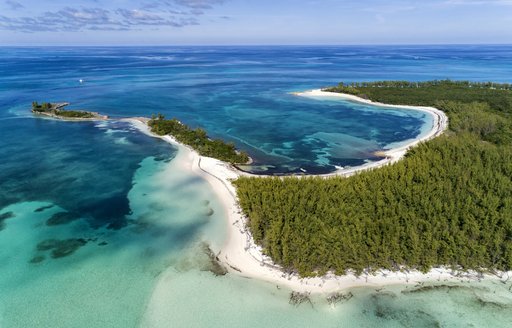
(242, 256)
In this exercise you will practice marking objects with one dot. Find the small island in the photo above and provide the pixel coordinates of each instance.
(56, 110)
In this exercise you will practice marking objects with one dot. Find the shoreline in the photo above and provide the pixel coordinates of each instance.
(243, 257)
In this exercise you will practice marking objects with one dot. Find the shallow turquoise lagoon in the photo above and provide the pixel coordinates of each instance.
(101, 227)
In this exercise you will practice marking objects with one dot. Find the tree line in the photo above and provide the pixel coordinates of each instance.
(497, 96)
(58, 110)
(197, 139)
(426, 84)
(45, 106)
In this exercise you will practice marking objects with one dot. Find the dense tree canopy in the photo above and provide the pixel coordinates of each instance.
(74, 114)
(197, 139)
(449, 202)
(498, 96)
(58, 110)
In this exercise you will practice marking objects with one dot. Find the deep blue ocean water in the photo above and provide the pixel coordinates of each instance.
(93, 213)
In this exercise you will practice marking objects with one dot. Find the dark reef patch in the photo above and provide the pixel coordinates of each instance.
(43, 208)
(386, 309)
(110, 212)
(67, 247)
(37, 259)
(3, 217)
(61, 248)
(141, 225)
(432, 288)
(162, 158)
(7, 215)
(47, 244)
(61, 218)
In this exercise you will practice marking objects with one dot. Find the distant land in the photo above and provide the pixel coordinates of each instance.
(57, 110)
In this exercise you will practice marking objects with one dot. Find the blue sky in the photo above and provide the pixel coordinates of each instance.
(183, 22)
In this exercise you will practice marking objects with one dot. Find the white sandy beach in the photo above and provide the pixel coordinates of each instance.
(243, 257)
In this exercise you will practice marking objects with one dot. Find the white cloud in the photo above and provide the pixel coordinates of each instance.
(155, 13)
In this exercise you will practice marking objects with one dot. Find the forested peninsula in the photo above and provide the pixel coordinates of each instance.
(197, 139)
(447, 203)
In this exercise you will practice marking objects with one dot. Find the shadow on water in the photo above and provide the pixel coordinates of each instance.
(87, 175)
(81, 188)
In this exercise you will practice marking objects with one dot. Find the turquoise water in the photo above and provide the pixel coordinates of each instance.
(94, 216)
(219, 302)
(130, 214)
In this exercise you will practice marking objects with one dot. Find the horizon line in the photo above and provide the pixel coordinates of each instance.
(254, 45)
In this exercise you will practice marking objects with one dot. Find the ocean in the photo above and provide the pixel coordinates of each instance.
(100, 226)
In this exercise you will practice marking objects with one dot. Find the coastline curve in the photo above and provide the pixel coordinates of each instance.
(244, 257)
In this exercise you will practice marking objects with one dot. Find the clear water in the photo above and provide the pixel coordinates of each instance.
(131, 219)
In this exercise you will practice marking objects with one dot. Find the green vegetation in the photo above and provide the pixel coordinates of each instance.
(54, 109)
(498, 96)
(74, 114)
(448, 203)
(36, 107)
(197, 139)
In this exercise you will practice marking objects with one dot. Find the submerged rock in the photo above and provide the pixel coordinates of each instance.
(48, 244)
(3, 217)
(209, 212)
(61, 248)
(43, 208)
(67, 247)
(387, 307)
(7, 215)
(37, 259)
(61, 218)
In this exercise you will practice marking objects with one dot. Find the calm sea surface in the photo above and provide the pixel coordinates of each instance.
(94, 215)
